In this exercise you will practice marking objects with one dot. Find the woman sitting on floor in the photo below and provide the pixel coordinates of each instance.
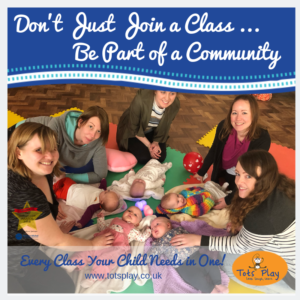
(144, 127)
(32, 210)
(237, 134)
(264, 208)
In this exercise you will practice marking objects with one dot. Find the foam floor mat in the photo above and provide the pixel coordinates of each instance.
(208, 138)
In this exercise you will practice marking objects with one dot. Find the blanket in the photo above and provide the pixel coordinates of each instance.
(107, 285)
(170, 281)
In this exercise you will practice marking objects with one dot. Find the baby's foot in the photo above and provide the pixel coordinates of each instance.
(87, 283)
(222, 288)
(103, 184)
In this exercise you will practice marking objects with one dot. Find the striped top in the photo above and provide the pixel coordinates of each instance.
(270, 227)
(282, 244)
(156, 115)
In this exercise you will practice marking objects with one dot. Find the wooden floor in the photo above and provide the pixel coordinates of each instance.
(198, 113)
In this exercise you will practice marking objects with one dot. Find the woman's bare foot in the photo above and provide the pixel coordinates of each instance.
(222, 288)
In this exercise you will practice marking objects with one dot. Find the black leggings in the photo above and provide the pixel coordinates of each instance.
(36, 280)
(201, 278)
(141, 152)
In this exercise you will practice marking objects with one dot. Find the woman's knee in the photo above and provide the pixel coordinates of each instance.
(144, 158)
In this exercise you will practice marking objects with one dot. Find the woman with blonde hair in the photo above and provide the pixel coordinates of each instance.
(81, 142)
(32, 210)
(238, 133)
(263, 211)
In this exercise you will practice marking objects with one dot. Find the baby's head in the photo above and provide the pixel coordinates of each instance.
(172, 200)
(137, 188)
(160, 226)
(109, 200)
(132, 215)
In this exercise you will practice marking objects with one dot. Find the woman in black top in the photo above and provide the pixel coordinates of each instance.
(32, 210)
(237, 134)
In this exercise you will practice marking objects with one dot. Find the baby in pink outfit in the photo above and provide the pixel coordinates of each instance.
(124, 231)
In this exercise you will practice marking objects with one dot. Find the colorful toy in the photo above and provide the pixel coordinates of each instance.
(192, 162)
(141, 204)
(148, 211)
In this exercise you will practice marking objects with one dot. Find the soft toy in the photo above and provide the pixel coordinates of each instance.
(146, 209)
(119, 161)
(141, 204)
(192, 162)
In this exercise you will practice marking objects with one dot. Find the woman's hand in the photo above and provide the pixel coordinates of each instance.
(186, 240)
(103, 239)
(61, 215)
(220, 203)
(155, 150)
(66, 227)
(200, 178)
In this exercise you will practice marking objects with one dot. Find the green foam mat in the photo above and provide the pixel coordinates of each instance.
(174, 177)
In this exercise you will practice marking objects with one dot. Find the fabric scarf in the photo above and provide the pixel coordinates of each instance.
(233, 150)
(198, 203)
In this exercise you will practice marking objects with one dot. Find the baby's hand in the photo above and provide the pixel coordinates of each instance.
(100, 215)
(79, 225)
(228, 226)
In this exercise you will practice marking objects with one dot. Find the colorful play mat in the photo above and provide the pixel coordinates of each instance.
(176, 176)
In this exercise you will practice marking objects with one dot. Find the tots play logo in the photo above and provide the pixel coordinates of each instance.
(259, 268)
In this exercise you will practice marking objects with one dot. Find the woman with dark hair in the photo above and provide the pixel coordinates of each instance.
(81, 141)
(263, 209)
(144, 127)
(32, 210)
(238, 133)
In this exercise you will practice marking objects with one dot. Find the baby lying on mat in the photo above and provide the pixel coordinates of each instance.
(82, 195)
(145, 183)
(195, 201)
(195, 275)
(124, 231)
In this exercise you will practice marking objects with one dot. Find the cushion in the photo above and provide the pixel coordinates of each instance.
(119, 161)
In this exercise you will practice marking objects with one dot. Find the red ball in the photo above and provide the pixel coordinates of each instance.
(192, 162)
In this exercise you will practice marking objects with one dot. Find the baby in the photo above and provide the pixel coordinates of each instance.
(194, 275)
(137, 188)
(108, 201)
(147, 182)
(82, 196)
(194, 201)
(124, 231)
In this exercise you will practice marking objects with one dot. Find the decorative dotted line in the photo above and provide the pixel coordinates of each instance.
(155, 72)
(149, 80)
